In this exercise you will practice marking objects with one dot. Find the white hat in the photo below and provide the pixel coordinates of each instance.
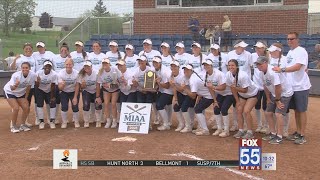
(241, 44)
(79, 43)
(260, 45)
(106, 60)
(165, 45)
(148, 41)
(157, 59)
(113, 43)
(129, 46)
(175, 63)
(207, 61)
(273, 48)
(180, 44)
(196, 44)
(87, 63)
(214, 46)
(46, 63)
(40, 44)
(121, 62)
(142, 58)
(188, 67)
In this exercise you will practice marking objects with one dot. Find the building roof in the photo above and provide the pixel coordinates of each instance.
(61, 21)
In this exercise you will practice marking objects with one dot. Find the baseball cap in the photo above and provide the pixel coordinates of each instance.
(180, 44)
(129, 46)
(165, 45)
(157, 59)
(187, 67)
(87, 63)
(147, 41)
(207, 61)
(260, 45)
(214, 46)
(78, 43)
(121, 62)
(47, 63)
(175, 63)
(261, 60)
(40, 44)
(273, 48)
(106, 60)
(196, 44)
(241, 44)
(113, 43)
(142, 58)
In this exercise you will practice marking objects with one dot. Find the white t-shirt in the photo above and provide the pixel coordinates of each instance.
(218, 78)
(183, 58)
(78, 60)
(215, 59)
(58, 63)
(69, 79)
(131, 62)
(90, 81)
(196, 63)
(24, 82)
(180, 79)
(40, 58)
(256, 73)
(166, 60)
(244, 60)
(271, 79)
(114, 57)
(283, 64)
(125, 82)
(23, 59)
(150, 55)
(300, 79)
(164, 73)
(244, 81)
(109, 77)
(96, 60)
(197, 85)
(138, 75)
(47, 80)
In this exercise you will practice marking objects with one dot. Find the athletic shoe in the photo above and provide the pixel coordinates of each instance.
(293, 136)
(108, 124)
(285, 134)
(214, 127)
(41, 125)
(233, 128)
(36, 122)
(24, 127)
(64, 125)
(156, 121)
(163, 128)
(52, 125)
(269, 137)
(179, 128)
(114, 125)
(27, 123)
(86, 124)
(14, 129)
(76, 124)
(98, 124)
(196, 130)
(186, 130)
(300, 140)
(264, 130)
(276, 140)
(217, 132)
(248, 135)
(203, 133)
(239, 134)
(258, 130)
(224, 134)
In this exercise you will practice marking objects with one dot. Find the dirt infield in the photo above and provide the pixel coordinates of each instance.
(28, 155)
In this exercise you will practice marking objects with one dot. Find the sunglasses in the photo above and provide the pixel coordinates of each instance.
(291, 39)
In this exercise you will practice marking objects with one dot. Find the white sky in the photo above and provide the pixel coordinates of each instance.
(74, 8)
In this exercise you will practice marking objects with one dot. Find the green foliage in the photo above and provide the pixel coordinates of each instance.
(23, 21)
(45, 20)
(100, 10)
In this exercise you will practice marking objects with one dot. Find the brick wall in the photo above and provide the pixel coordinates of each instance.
(260, 21)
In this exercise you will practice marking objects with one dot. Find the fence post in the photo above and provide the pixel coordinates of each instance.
(1, 49)
(99, 26)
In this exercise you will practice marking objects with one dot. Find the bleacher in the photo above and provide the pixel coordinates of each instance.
(306, 41)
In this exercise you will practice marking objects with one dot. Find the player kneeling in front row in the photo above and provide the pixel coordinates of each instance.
(45, 90)
(278, 92)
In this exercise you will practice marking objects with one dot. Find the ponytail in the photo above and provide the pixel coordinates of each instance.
(119, 55)
(82, 73)
(220, 61)
(84, 54)
(201, 57)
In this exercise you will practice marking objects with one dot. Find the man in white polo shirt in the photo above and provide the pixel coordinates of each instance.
(297, 60)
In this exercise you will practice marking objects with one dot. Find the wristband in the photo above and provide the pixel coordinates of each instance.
(283, 69)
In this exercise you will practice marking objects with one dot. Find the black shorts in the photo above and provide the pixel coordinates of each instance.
(11, 96)
(255, 96)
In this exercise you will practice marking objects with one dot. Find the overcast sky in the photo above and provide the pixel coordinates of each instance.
(74, 8)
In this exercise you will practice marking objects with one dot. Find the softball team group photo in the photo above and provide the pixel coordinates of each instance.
(234, 85)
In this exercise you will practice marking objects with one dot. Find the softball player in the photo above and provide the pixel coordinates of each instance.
(42, 55)
(181, 56)
(96, 56)
(166, 56)
(78, 56)
(148, 51)
(196, 58)
(114, 54)
(130, 58)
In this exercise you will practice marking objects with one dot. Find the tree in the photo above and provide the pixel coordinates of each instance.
(45, 20)
(9, 9)
(23, 21)
(100, 10)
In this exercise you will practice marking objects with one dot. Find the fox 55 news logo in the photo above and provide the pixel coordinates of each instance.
(250, 154)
